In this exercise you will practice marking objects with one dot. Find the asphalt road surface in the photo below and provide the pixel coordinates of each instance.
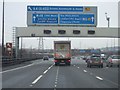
(44, 74)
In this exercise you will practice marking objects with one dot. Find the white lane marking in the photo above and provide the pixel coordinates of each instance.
(73, 65)
(55, 85)
(49, 68)
(45, 71)
(84, 70)
(35, 81)
(17, 68)
(56, 80)
(99, 78)
(78, 67)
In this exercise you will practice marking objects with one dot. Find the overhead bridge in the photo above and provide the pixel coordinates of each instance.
(64, 31)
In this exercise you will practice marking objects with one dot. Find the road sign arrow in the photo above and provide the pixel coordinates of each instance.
(34, 18)
(30, 8)
(92, 19)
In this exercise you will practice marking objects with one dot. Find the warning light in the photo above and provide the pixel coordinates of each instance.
(87, 9)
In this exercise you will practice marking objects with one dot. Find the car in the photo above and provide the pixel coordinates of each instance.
(95, 61)
(87, 58)
(113, 60)
(45, 58)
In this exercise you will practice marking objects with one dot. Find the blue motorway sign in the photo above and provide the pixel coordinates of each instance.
(56, 8)
(63, 18)
(62, 15)
(76, 18)
(45, 18)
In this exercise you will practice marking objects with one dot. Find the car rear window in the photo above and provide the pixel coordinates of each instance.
(115, 57)
(95, 57)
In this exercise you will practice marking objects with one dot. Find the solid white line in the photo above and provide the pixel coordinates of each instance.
(45, 71)
(17, 68)
(77, 67)
(99, 78)
(84, 70)
(35, 81)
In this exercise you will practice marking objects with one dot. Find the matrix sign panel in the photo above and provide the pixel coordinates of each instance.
(61, 15)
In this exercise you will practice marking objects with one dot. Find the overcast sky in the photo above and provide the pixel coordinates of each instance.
(16, 13)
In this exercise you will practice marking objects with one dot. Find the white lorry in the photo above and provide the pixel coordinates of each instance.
(62, 52)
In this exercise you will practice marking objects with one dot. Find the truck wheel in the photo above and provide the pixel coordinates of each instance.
(90, 66)
(87, 65)
(68, 64)
(110, 65)
(107, 65)
(56, 64)
(101, 66)
(118, 65)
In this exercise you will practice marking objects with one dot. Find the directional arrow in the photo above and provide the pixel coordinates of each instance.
(30, 8)
(34, 18)
(92, 19)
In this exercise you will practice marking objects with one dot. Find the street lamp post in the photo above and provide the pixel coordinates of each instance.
(108, 19)
(3, 50)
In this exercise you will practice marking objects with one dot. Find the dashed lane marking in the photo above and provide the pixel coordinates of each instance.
(45, 71)
(85, 71)
(36, 80)
(99, 78)
(56, 80)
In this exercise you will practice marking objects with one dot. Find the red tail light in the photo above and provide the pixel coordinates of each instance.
(55, 60)
(68, 60)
